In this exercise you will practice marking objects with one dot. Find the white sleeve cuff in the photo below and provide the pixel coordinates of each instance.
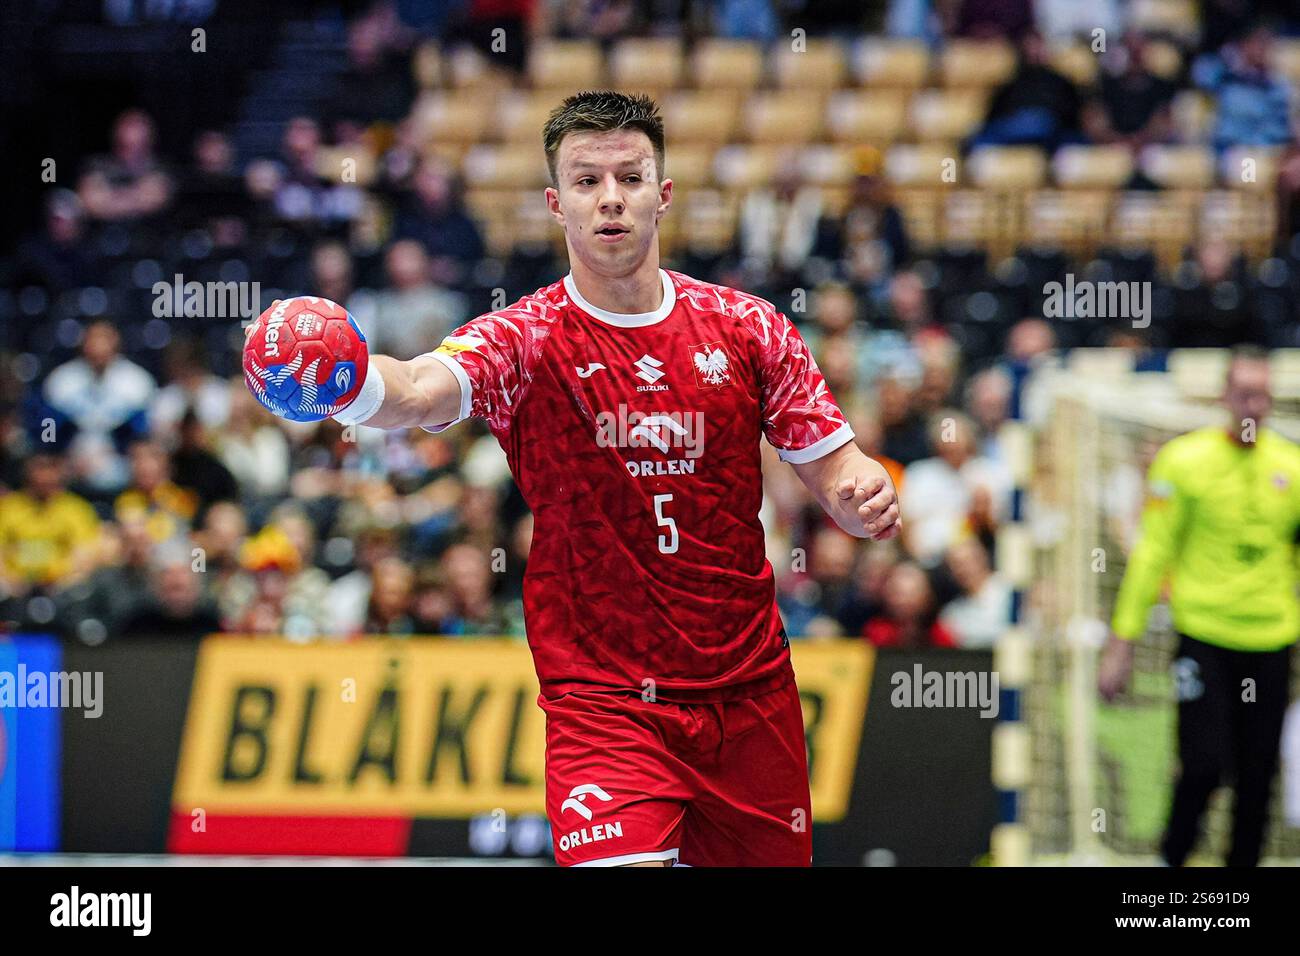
(367, 401)
(817, 449)
(466, 392)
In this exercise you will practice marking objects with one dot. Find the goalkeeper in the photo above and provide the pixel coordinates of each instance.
(1220, 521)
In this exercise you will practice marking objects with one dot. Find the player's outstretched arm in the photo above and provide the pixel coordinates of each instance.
(420, 391)
(854, 490)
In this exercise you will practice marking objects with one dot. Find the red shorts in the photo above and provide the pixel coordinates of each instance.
(722, 784)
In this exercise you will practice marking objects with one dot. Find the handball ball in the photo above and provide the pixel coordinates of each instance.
(305, 358)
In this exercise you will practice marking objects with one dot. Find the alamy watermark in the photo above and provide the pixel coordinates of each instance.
(70, 689)
(206, 300)
(922, 688)
(1085, 299)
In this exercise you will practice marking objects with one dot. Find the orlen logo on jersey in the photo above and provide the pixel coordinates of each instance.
(664, 431)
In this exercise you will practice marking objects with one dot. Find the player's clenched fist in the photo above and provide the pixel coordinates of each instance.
(876, 504)
(305, 359)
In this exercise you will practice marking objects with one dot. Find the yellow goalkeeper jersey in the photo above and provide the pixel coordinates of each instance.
(1220, 523)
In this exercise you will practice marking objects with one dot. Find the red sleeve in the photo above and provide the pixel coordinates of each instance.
(800, 416)
(486, 355)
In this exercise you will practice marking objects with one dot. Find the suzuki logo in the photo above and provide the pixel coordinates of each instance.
(648, 369)
(578, 794)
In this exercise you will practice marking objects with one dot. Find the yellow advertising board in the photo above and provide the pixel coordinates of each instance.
(427, 727)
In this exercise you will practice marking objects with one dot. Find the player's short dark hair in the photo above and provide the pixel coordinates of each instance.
(603, 111)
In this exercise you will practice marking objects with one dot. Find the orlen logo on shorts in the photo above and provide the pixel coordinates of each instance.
(577, 803)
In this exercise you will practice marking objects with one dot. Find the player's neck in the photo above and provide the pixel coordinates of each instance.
(635, 294)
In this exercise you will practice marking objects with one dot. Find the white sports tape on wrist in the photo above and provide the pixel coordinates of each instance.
(368, 401)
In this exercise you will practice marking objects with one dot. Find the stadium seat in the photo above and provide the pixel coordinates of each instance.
(568, 65)
(739, 167)
(819, 66)
(827, 165)
(1073, 220)
(1090, 167)
(445, 117)
(521, 114)
(726, 64)
(891, 63)
(1163, 58)
(1007, 167)
(1163, 222)
(468, 69)
(980, 63)
(1242, 219)
(702, 116)
(503, 167)
(1252, 168)
(782, 117)
(874, 116)
(647, 63)
(947, 115)
(1178, 167)
(1192, 113)
(1176, 18)
(920, 166)
(689, 165)
(1076, 62)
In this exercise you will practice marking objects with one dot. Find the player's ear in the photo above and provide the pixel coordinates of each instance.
(553, 204)
(665, 198)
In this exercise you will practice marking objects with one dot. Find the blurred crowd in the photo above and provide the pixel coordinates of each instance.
(146, 493)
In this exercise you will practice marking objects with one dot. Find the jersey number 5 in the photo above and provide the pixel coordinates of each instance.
(668, 543)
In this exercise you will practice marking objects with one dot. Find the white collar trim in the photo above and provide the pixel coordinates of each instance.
(623, 319)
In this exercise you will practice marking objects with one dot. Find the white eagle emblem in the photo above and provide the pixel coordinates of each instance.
(712, 365)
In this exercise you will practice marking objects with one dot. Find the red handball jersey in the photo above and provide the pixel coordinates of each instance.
(635, 441)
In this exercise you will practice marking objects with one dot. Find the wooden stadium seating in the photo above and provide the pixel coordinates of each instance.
(569, 65)
(902, 64)
(521, 114)
(827, 165)
(1176, 18)
(1252, 168)
(647, 63)
(871, 116)
(1091, 167)
(1193, 113)
(702, 116)
(1073, 220)
(505, 167)
(1007, 167)
(1247, 221)
(784, 116)
(947, 115)
(446, 117)
(689, 165)
(1163, 58)
(726, 64)
(1179, 167)
(979, 63)
(1076, 62)
(1164, 222)
(740, 166)
(821, 65)
(919, 166)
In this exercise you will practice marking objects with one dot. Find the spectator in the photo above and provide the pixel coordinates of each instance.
(869, 239)
(166, 508)
(350, 595)
(413, 315)
(1037, 106)
(99, 403)
(253, 447)
(908, 617)
(905, 438)
(197, 470)
(389, 610)
(982, 612)
(49, 536)
(275, 593)
(128, 184)
(175, 605)
(212, 194)
(1132, 105)
(376, 86)
(1253, 103)
(469, 580)
(57, 259)
(941, 491)
(332, 272)
(434, 215)
(778, 226)
(302, 193)
(190, 388)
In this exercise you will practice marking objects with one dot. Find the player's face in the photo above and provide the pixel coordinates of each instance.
(1248, 395)
(608, 199)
